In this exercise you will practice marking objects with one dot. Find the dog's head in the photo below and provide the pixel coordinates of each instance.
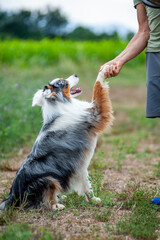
(59, 89)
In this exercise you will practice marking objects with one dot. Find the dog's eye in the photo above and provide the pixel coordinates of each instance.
(53, 86)
(66, 86)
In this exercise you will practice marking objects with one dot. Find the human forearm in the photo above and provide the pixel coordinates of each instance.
(134, 47)
(137, 44)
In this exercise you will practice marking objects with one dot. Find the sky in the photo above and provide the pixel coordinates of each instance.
(89, 13)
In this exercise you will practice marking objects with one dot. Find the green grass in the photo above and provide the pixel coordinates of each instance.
(50, 51)
(143, 220)
(25, 232)
(20, 122)
(28, 66)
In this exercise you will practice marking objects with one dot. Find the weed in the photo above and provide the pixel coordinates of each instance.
(99, 161)
(24, 231)
(142, 221)
(103, 215)
(21, 68)
(7, 216)
(157, 169)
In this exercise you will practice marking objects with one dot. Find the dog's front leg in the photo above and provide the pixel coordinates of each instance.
(90, 196)
(84, 188)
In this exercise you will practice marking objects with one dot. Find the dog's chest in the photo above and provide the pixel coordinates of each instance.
(89, 153)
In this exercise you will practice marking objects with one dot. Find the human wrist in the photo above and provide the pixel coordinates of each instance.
(120, 61)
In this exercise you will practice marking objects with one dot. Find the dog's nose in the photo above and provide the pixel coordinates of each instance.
(75, 75)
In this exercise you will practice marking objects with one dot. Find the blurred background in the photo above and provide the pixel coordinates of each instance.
(41, 40)
(78, 20)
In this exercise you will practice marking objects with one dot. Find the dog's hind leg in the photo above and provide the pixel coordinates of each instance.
(50, 195)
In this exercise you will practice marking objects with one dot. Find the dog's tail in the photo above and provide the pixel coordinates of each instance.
(16, 194)
(102, 104)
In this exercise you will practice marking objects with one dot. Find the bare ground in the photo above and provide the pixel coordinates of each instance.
(83, 224)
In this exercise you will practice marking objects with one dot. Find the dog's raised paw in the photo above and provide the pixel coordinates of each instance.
(96, 199)
(58, 206)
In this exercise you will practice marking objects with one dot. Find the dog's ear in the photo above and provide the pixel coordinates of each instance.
(38, 99)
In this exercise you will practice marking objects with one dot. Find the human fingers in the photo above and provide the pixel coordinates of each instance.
(107, 71)
(101, 68)
(110, 71)
(117, 69)
(114, 70)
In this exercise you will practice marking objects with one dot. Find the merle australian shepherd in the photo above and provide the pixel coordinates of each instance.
(61, 154)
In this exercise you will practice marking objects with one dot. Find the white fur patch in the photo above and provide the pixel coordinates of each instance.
(73, 80)
(58, 206)
(101, 77)
(47, 93)
(96, 199)
(71, 113)
(38, 99)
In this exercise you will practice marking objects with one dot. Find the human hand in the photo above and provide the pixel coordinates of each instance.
(112, 68)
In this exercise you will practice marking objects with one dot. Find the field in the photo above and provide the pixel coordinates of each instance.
(125, 169)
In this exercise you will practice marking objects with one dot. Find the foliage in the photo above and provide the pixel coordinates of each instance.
(143, 220)
(49, 23)
(51, 51)
(25, 232)
(81, 33)
(129, 154)
(20, 122)
(25, 24)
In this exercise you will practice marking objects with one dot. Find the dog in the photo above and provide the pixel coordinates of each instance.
(61, 154)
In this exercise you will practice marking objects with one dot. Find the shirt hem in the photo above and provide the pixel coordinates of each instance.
(152, 50)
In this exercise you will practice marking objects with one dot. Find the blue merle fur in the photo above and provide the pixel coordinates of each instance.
(57, 155)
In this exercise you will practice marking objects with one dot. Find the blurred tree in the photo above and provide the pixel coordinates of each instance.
(55, 23)
(82, 33)
(114, 35)
(17, 25)
(36, 25)
(26, 24)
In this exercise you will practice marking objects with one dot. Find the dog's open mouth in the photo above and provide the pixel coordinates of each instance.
(75, 91)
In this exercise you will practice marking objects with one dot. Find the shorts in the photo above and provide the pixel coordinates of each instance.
(153, 84)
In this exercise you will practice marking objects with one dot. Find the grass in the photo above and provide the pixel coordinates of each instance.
(52, 51)
(125, 168)
(19, 122)
(25, 232)
(142, 221)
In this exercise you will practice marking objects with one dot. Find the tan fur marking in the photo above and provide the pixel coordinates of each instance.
(49, 195)
(66, 92)
(50, 87)
(104, 107)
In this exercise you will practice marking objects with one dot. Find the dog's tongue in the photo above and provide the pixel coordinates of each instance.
(75, 90)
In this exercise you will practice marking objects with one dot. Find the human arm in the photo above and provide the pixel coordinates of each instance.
(137, 44)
